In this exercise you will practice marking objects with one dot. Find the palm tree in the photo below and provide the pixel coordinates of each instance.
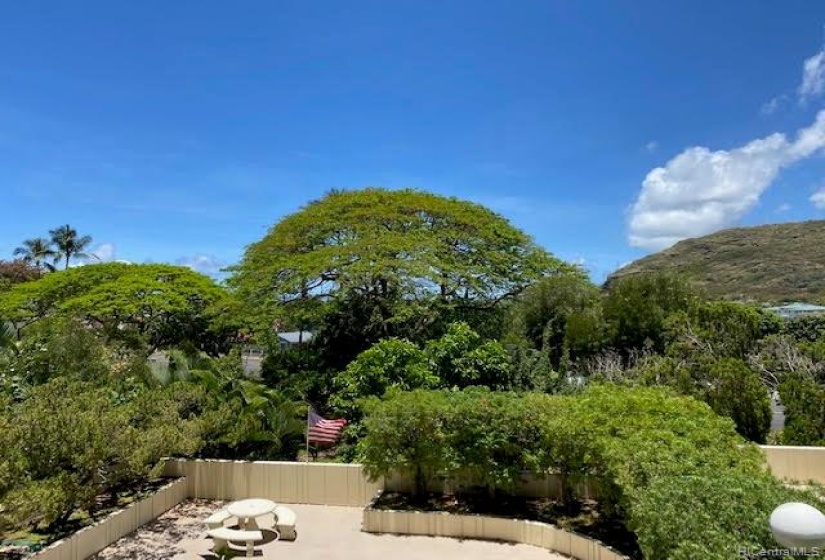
(69, 245)
(36, 251)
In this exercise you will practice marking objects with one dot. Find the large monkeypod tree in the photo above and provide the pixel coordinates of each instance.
(393, 254)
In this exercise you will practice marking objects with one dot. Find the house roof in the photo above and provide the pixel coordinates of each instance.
(294, 337)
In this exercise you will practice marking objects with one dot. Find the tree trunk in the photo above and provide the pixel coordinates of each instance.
(419, 486)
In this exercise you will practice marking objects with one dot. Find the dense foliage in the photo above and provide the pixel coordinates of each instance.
(390, 244)
(380, 276)
(82, 421)
(458, 359)
(146, 306)
(636, 308)
(455, 347)
(560, 316)
(645, 450)
(804, 400)
(69, 442)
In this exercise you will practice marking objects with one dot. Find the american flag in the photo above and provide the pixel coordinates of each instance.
(321, 430)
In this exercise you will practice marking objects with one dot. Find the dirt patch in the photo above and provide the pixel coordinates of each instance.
(168, 536)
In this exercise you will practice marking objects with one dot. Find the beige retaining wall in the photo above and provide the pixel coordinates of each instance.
(313, 483)
(298, 483)
(346, 484)
(488, 528)
(799, 464)
(94, 538)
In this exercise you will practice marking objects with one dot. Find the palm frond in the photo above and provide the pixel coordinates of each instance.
(8, 339)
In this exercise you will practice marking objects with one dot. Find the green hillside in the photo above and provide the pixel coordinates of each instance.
(773, 262)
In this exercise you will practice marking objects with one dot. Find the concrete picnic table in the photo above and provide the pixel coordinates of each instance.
(247, 510)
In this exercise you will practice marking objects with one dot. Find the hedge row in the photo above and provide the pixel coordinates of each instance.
(678, 475)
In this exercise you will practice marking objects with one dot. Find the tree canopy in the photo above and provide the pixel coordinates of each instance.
(636, 308)
(159, 305)
(403, 243)
(559, 315)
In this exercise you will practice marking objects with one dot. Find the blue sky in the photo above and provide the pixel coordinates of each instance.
(180, 131)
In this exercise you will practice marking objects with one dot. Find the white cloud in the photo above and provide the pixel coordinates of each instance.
(203, 263)
(813, 77)
(700, 191)
(784, 207)
(811, 86)
(772, 106)
(818, 198)
(652, 146)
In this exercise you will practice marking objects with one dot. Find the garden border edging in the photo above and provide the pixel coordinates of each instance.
(442, 524)
(94, 538)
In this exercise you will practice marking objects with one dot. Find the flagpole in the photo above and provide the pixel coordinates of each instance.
(306, 459)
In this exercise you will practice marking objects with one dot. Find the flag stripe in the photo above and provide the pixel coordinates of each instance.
(322, 430)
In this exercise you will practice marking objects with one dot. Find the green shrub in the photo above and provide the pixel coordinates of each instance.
(640, 434)
(491, 438)
(460, 358)
(73, 441)
(712, 516)
(737, 392)
(728, 385)
(41, 502)
(59, 347)
(478, 437)
(719, 328)
(679, 475)
(404, 434)
(804, 401)
(810, 329)
(566, 443)
(389, 363)
(531, 370)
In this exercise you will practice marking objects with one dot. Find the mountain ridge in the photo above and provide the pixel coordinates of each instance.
(765, 263)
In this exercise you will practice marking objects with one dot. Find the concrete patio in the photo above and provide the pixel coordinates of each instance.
(323, 532)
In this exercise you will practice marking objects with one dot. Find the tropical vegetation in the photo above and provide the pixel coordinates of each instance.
(452, 343)
(62, 245)
(645, 451)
